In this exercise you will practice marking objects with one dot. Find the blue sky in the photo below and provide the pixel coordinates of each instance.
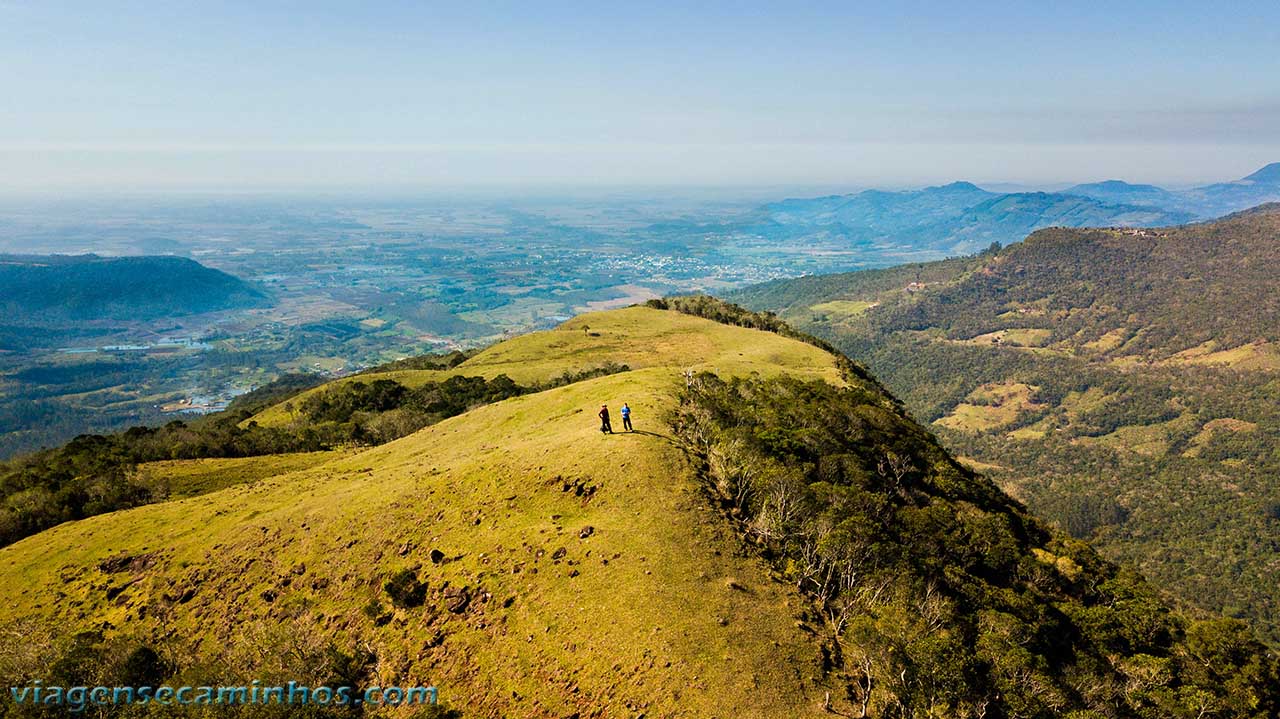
(316, 94)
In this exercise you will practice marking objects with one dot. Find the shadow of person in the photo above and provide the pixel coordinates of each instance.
(650, 434)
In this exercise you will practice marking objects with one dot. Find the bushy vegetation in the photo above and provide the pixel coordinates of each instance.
(275, 391)
(405, 590)
(92, 474)
(939, 594)
(1189, 510)
(383, 410)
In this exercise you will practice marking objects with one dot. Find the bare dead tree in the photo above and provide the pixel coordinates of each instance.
(933, 607)
(865, 684)
(894, 468)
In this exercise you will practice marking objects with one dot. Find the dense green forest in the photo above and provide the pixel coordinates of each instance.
(941, 596)
(1123, 383)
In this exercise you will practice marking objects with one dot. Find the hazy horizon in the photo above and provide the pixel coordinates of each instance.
(326, 97)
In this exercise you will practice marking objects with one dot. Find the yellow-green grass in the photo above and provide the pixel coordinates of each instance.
(1152, 440)
(1033, 431)
(635, 336)
(1073, 405)
(1212, 427)
(1022, 337)
(654, 609)
(1077, 403)
(980, 466)
(1255, 356)
(179, 478)
(990, 407)
(843, 309)
(1112, 340)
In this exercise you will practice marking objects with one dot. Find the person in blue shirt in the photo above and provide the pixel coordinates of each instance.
(626, 417)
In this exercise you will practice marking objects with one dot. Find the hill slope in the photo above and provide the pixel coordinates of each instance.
(1259, 187)
(1208, 201)
(1120, 382)
(777, 537)
(1125, 193)
(61, 288)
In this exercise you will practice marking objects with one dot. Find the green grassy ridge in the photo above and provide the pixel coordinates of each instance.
(636, 336)
(677, 622)
(95, 474)
(92, 474)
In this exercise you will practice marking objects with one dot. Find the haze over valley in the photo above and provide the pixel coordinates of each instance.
(343, 284)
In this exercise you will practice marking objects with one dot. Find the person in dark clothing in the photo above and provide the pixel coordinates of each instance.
(626, 417)
(604, 419)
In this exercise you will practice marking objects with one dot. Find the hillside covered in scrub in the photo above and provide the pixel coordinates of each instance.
(777, 539)
(1123, 383)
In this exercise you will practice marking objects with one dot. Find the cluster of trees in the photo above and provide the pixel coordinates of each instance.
(941, 596)
(448, 360)
(382, 410)
(93, 474)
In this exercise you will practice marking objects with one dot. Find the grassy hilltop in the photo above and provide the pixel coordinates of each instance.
(637, 337)
(638, 623)
(777, 539)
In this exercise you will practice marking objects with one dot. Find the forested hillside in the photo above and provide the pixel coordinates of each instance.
(1124, 383)
(60, 288)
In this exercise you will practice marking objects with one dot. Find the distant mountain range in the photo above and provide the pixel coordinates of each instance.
(38, 290)
(961, 217)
